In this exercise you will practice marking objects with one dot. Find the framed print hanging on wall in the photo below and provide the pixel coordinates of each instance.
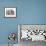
(10, 12)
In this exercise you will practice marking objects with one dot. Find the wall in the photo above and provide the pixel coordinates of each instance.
(33, 27)
(28, 12)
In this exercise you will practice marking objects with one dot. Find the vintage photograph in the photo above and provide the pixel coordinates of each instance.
(10, 12)
(31, 34)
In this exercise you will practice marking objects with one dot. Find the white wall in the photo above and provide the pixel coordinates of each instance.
(40, 27)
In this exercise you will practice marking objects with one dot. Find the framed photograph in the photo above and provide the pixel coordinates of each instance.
(10, 12)
(33, 32)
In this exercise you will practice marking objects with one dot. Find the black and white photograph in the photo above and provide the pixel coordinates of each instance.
(29, 34)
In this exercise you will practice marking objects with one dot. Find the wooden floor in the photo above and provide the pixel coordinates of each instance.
(30, 43)
(7, 45)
